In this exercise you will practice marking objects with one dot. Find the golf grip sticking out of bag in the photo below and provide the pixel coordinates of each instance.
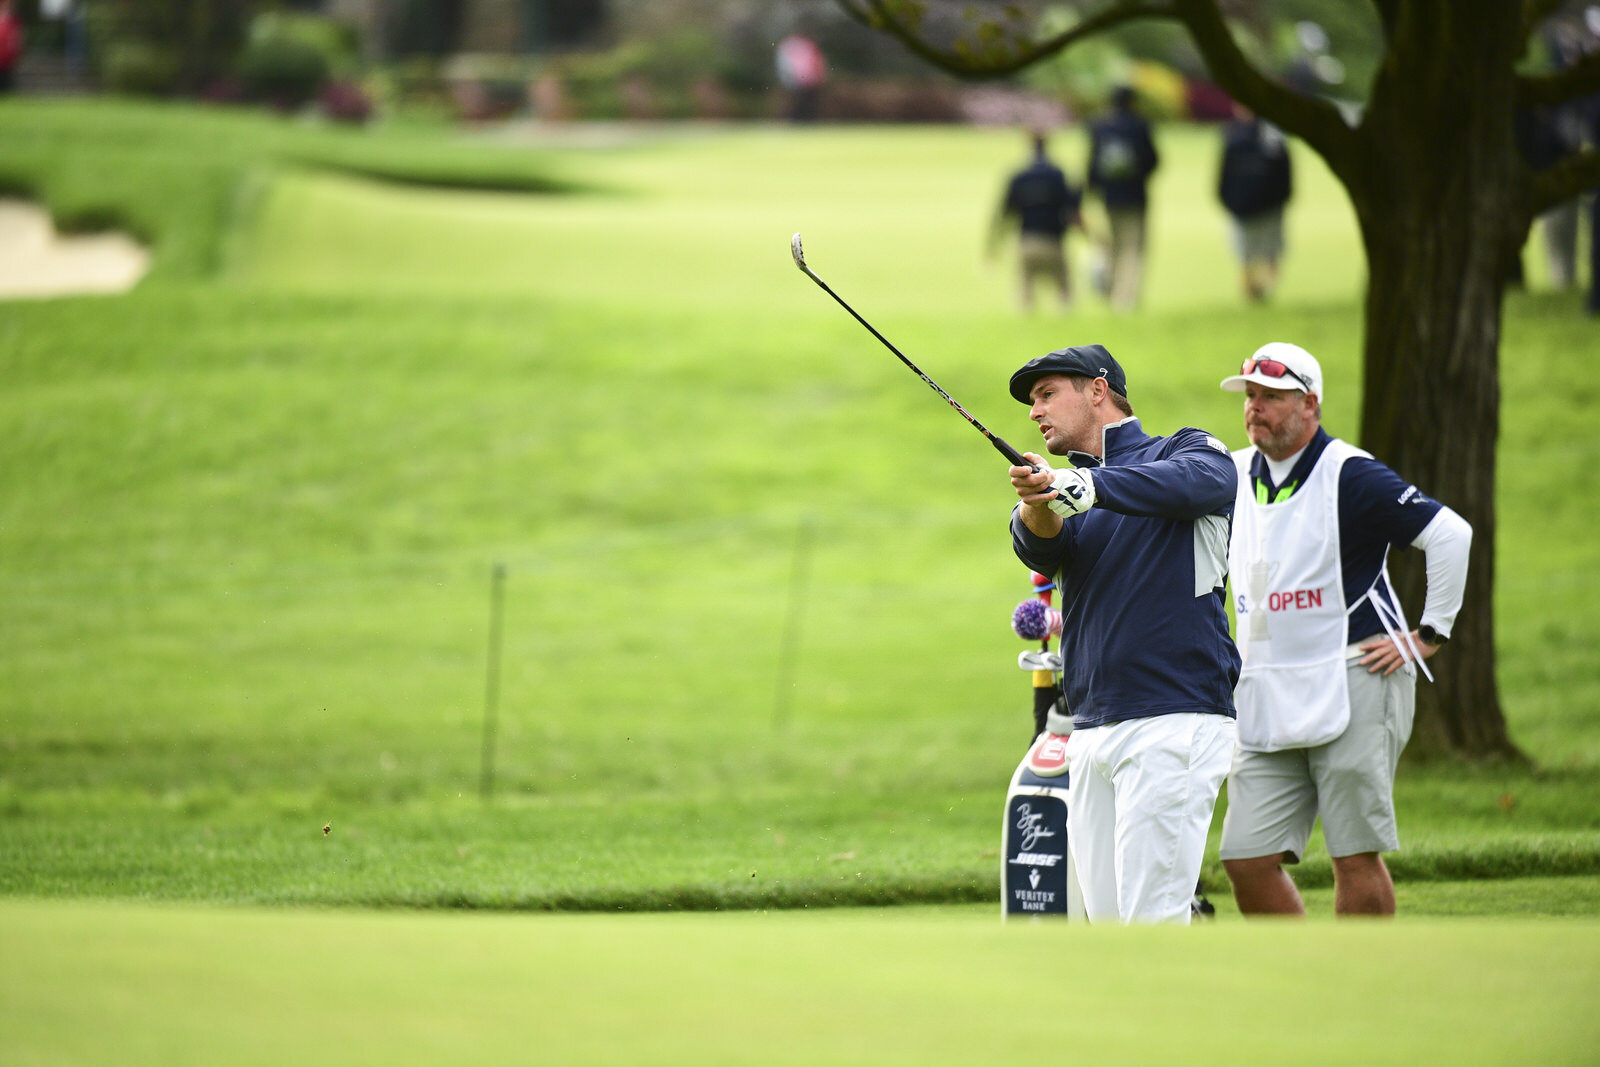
(1000, 445)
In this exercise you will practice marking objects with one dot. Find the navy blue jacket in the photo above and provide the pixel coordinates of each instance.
(1121, 159)
(1141, 577)
(1041, 199)
(1256, 175)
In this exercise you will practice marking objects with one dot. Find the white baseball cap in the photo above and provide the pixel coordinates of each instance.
(1279, 365)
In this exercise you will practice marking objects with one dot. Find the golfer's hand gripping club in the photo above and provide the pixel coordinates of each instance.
(1067, 492)
(1074, 492)
(1017, 459)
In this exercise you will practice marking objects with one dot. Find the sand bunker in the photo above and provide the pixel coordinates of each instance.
(37, 261)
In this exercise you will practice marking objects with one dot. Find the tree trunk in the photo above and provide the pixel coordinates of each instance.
(1437, 164)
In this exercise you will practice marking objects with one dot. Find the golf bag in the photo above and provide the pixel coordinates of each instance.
(1037, 876)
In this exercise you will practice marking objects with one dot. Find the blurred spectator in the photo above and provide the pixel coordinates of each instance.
(1122, 157)
(1560, 223)
(1593, 301)
(12, 39)
(1567, 40)
(74, 32)
(1255, 182)
(801, 71)
(1041, 204)
(1545, 137)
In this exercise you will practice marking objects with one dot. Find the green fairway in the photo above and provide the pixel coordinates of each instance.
(893, 218)
(250, 510)
(95, 983)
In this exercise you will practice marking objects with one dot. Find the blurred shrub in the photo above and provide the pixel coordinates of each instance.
(593, 87)
(140, 68)
(1163, 92)
(286, 73)
(1082, 75)
(344, 101)
(415, 85)
(687, 73)
(482, 87)
(288, 56)
(885, 100)
(159, 46)
(745, 59)
(338, 44)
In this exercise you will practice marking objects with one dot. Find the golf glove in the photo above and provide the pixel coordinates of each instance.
(1074, 492)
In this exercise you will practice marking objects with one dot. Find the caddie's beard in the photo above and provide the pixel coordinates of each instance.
(1278, 444)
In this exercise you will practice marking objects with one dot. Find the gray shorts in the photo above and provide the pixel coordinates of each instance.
(1275, 797)
(1259, 236)
(1042, 254)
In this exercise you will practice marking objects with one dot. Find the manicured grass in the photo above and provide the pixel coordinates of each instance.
(249, 512)
(89, 983)
(187, 178)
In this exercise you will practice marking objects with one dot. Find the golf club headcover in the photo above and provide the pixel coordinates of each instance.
(1074, 492)
(1048, 757)
(1034, 620)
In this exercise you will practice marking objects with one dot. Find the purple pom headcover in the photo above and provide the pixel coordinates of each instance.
(1034, 620)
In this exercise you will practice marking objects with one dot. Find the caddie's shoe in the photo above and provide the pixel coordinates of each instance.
(1048, 756)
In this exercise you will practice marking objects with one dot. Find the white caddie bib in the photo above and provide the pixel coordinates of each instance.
(1290, 609)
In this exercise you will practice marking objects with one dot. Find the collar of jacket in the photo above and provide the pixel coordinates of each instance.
(1115, 437)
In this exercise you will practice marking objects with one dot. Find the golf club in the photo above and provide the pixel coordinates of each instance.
(1000, 446)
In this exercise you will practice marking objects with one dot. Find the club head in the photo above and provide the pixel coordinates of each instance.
(799, 253)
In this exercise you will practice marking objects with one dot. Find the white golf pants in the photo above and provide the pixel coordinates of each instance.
(1139, 805)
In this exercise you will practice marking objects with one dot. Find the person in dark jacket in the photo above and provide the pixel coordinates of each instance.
(12, 39)
(1547, 136)
(1592, 301)
(1042, 205)
(1135, 536)
(1122, 156)
(1255, 182)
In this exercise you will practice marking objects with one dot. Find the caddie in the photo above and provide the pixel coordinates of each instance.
(1328, 685)
(1135, 535)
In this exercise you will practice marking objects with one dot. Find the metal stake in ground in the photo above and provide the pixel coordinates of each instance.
(1000, 446)
(491, 694)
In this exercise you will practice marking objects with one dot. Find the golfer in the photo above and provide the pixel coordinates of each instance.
(1135, 535)
(1329, 680)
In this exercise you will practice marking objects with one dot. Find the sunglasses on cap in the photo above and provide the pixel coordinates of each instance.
(1273, 368)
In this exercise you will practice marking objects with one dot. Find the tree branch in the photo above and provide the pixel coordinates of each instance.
(1314, 121)
(994, 63)
(1389, 14)
(856, 11)
(1580, 79)
(1560, 183)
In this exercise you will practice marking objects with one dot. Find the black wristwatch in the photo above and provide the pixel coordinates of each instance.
(1431, 636)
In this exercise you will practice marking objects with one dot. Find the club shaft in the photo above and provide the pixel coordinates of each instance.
(1000, 445)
